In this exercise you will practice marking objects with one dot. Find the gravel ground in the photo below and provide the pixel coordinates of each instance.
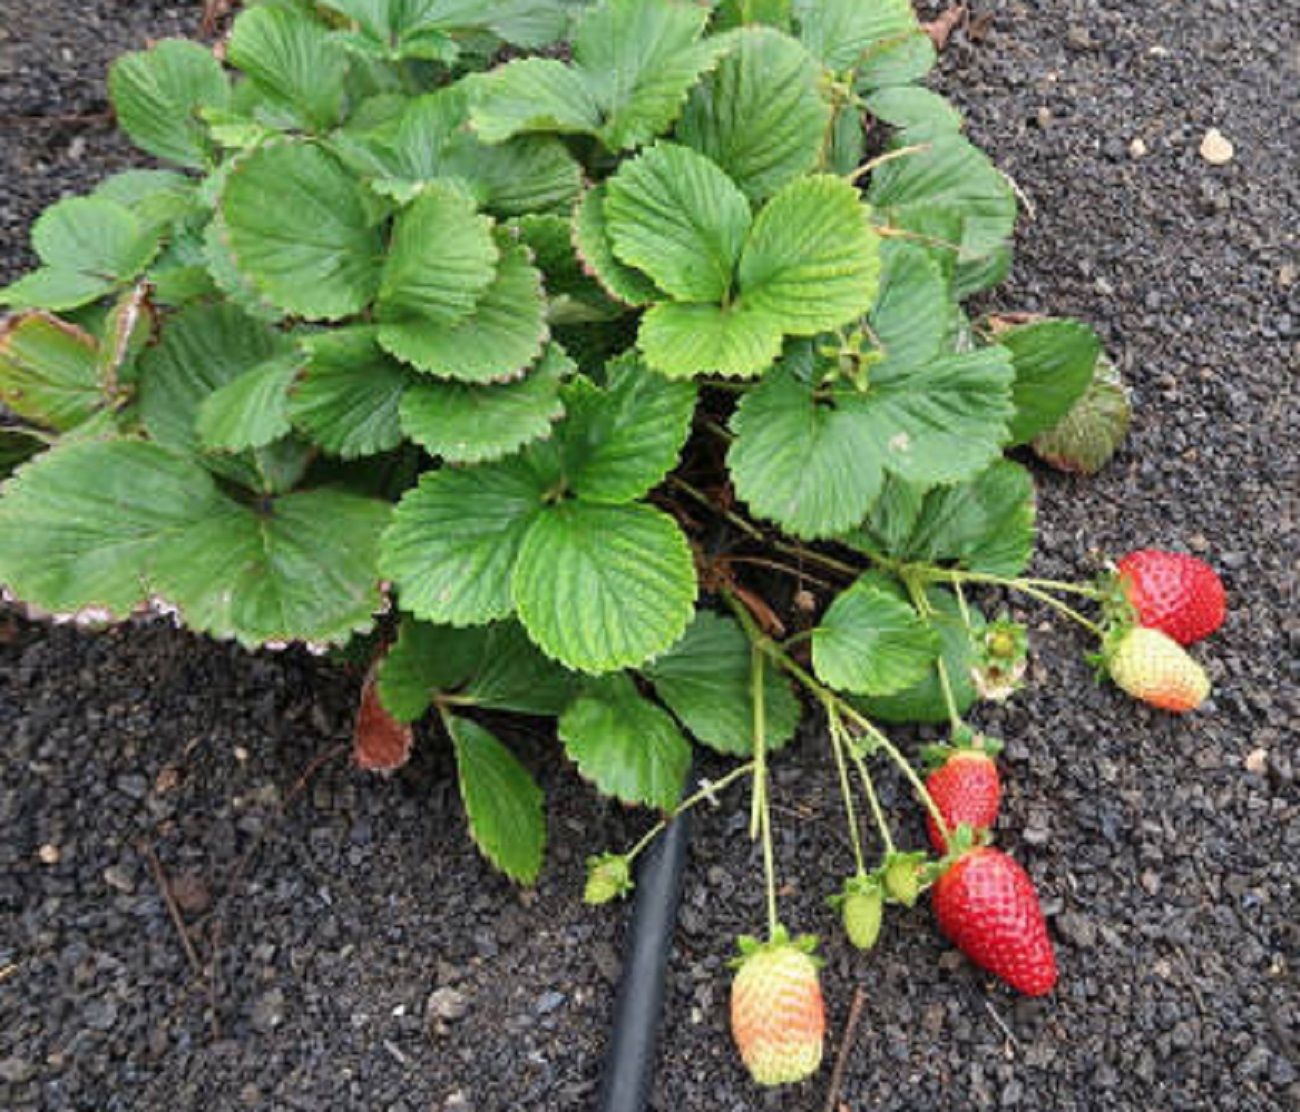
(366, 958)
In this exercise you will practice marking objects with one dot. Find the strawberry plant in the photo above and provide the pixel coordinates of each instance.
(603, 362)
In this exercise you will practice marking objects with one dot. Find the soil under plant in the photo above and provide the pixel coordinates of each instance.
(368, 958)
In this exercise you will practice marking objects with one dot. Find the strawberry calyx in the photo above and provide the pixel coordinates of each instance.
(751, 946)
(964, 740)
(902, 875)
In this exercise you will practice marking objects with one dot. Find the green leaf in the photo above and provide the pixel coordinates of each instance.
(591, 238)
(532, 94)
(60, 290)
(939, 423)
(227, 278)
(603, 587)
(676, 216)
(454, 539)
(468, 423)
(512, 675)
(202, 349)
(48, 371)
(1086, 437)
(760, 115)
(925, 701)
(921, 112)
(302, 568)
(870, 643)
(706, 680)
(812, 468)
(812, 260)
(251, 410)
(424, 660)
(292, 61)
(628, 747)
(157, 95)
(348, 399)
(1053, 361)
(622, 439)
(915, 317)
(985, 524)
(533, 173)
(685, 340)
(88, 245)
(640, 58)
(441, 260)
(952, 182)
(300, 231)
(82, 525)
(729, 14)
(878, 44)
(502, 334)
(502, 802)
(574, 297)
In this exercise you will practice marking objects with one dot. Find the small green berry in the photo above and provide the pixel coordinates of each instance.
(609, 877)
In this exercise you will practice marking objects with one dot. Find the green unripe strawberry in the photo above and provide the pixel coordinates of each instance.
(862, 911)
(609, 877)
(902, 877)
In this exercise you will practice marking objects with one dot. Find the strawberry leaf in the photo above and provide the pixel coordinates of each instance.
(157, 95)
(622, 439)
(871, 643)
(811, 260)
(299, 231)
(503, 803)
(914, 318)
(469, 423)
(706, 680)
(348, 398)
(292, 61)
(501, 335)
(1090, 433)
(683, 340)
(424, 660)
(251, 410)
(676, 216)
(881, 42)
(48, 371)
(628, 747)
(455, 538)
(760, 114)
(591, 238)
(603, 587)
(1053, 361)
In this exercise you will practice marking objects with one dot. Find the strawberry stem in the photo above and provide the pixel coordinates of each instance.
(763, 811)
(836, 730)
(916, 590)
(869, 786)
(707, 791)
(1034, 588)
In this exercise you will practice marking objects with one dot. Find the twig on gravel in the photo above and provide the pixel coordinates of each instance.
(213, 12)
(846, 1045)
(178, 921)
(1002, 1025)
(7, 972)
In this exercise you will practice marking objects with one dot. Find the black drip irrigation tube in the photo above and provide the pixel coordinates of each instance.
(630, 1060)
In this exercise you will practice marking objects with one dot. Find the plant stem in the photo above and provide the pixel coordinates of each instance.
(880, 160)
(828, 699)
(836, 730)
(917, 592)
(747, 527)
(707, 790)
(1030, 587)
(868, 786)
(760, 784)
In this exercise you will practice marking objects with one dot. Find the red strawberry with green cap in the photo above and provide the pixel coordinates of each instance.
(778, 1018)
(1173, 592)
(987, 907)
(1153, 667)
(965, 786)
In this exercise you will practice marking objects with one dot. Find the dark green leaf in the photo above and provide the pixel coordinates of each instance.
(1053, 361)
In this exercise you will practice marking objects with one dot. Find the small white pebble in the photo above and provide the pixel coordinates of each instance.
(241, 754)
(1257, 761)
(1137, 149)
(50, 854)
(1216, 148)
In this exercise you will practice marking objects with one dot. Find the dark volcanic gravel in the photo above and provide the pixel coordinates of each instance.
(368, 959)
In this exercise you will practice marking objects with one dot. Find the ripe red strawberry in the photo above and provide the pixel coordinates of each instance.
(987, 907)
(1153, 667)
(967, 789)
(778, 1018)
(1174, 593)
